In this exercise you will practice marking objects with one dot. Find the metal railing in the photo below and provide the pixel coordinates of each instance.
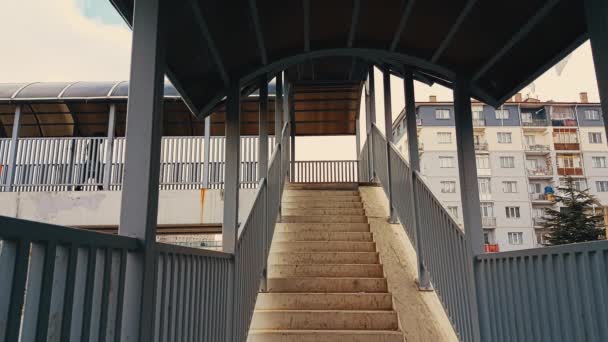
(537, 148)
(479, 122)
(544, 294)
(446, 253)
(64, 164)
(65, 284)
(541, 171)
(535, 123)
(488, 221)
(363, 164)
(325, 171)
(481, 146)
(60, 284)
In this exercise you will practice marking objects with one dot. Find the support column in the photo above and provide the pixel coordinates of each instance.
(263, 163)
(388, 129)
(292, 121)
(232, 170)
(107, 172)
(597, 26)
(278, 125)
(467, 168)
(12, 158)
(368, 132)
(424, 282)
(139, 206)
(207, 151)
(372, 119)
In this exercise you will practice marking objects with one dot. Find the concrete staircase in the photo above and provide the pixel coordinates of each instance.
(325, 281)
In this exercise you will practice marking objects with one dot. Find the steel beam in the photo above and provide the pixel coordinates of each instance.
(465, 147)
(306, 9)
(109, 152)
(255, 18)
(407, 10)
(597, 25)
(263, 130)
(452, 32)
(292, 123)
(12, 158)
(424, 282)
(139, 206)
(353, 23)
(232, 170)
(207, 151)
(388, 131)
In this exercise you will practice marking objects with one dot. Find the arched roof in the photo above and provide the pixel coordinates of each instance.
(500, 45)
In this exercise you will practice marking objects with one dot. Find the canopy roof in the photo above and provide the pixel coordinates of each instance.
(500, 45)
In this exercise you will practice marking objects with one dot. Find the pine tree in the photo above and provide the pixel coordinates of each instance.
(574, 222)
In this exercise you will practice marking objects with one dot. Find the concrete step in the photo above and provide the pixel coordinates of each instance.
(324, 336)
(325, 219)
(323, 211)
(324, 320)
(293, 227)
(289, 198)
(324, 301)
(323, 236)
(303, 258)
(320, 203)
(323, 246)
(320, 193)
(323, 186)
(339, 270)
(374, 285)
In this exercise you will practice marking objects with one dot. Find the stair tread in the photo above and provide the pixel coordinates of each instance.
(298, 331)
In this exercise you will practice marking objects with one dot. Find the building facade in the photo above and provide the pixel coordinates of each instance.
(524, 151)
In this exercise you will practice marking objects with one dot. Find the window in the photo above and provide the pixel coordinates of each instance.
(599, 162)
(601, 186)
(504, 137)
(535, 188)
(516, 238)
(446, 162)
(444, 137)
(578, 184)
(453, 211)
(502, 114)
(483, 161)
(595, 138)
(530, 140)
(592, 115)
(568, 161)
(512, 212)
(442, 114)
(448, 186)
(562, 113)
(565, 137)
(484, 185)
(509, 187)
(477, 112)
(487, 209)
(507, 162)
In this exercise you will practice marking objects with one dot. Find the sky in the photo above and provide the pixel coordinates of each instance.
(86, 40)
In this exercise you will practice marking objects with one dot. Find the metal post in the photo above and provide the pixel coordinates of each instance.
(388, 129)
(372, 119)
(278, 125)
(597, 26)
(263, 162)
(424, 282)
(469, 192)
(206, 152)
(12, 159)
(139, 206)
(357, 138)
(232, 170)
(292, 130)
(107, 172)
(368, 132)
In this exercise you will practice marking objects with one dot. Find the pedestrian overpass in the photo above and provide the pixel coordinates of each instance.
(216, 54)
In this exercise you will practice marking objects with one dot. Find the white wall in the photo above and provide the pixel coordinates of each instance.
(84, 208)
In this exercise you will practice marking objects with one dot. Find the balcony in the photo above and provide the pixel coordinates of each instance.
(567, 146)
(488, 221)
(570, 171)
(539, 197)
(535, 123)
(563, 122)
(481, 147)
(491, 248)
(537, 149)
(538, 222)
(484, 172)
(540, 172)
(479, 122)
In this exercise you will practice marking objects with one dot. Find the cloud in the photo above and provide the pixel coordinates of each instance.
(54, 41)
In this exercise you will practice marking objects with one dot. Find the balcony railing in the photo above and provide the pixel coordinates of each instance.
(540, 172)
(563, 122)
(538, 221)
(492, 248)
(488, 221)
(481, 146)
(535, 123)
(538, 197)
(570, 171)
(537, 148)
(567, 146)
(479, 122)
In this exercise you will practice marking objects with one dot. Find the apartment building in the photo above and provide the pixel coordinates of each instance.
(525, 149)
